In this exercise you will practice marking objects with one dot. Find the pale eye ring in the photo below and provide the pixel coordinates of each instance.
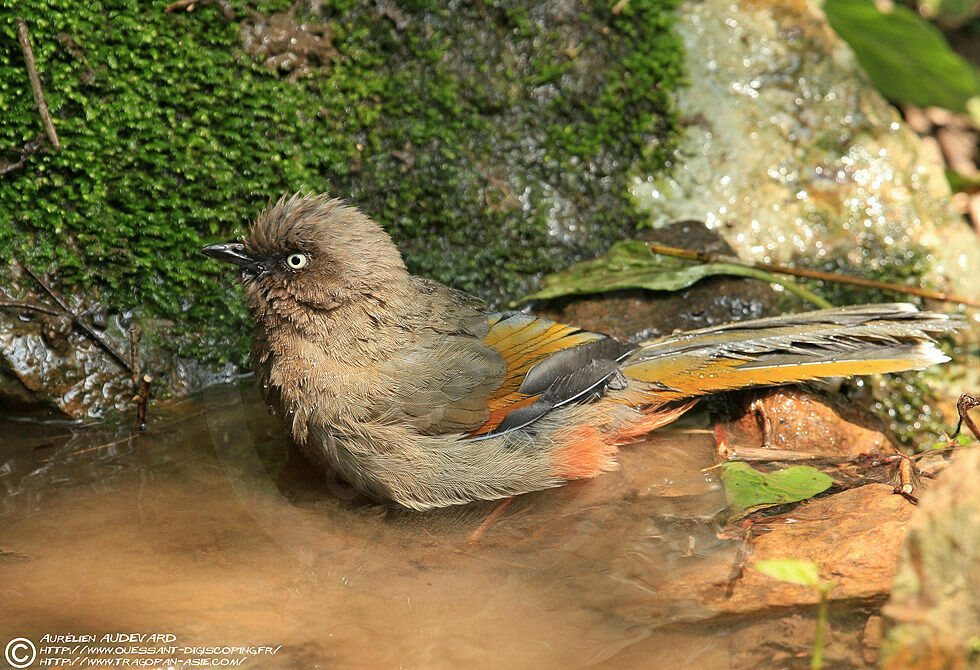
(297, 261)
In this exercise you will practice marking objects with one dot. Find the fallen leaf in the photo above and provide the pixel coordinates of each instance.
(748, 489)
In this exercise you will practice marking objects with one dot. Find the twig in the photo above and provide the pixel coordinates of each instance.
(42, 106)
(142, 399)
(156, 431)
(707, 257)
(761, 455)
(619, 7)
(132, 366)
(30, 148)
(29, 307)
(963, 407)
(134, 347)
(90, 449)
(188, 5)
(79, 324)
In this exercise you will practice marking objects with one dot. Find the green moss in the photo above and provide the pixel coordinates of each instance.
(495, 143)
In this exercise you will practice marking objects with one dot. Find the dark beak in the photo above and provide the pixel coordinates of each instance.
(230, 252)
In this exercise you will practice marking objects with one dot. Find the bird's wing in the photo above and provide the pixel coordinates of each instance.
(494, 374)
(548, 365)
(440, 380)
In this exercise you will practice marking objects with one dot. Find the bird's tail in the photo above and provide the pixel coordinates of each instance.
(858, 340)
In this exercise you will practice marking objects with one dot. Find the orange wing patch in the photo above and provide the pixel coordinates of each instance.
(524, 340)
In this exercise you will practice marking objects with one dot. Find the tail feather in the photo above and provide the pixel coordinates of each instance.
(865, 339)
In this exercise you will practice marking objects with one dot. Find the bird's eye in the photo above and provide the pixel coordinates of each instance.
(297, 261)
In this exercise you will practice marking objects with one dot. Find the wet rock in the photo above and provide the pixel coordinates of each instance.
(934, 612)
(804, 420)
(58, 368)
(854, 536)
(792, 156)
(45, 362)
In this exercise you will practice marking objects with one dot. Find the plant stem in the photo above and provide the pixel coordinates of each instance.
(706, 257)
(793, 288)
(817, 661)
(42, 106)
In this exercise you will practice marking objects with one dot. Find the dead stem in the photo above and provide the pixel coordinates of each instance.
(963, 407)
(42, 106)
(707, 257)
(29, 307)
(94, 337)
(29, 149)
(188, 5)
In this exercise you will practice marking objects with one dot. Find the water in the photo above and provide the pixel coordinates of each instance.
(209, 527)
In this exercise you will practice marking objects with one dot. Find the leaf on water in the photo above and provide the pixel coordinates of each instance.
(633, 265)
(748, 489)
(906, 57)
(791, 570)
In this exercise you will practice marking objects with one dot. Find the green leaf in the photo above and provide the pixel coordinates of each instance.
(748, 489)
(633, 265)
(961, 183)
(791, 570)
(907, 58)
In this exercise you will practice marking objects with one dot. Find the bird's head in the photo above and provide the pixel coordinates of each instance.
(307, 256)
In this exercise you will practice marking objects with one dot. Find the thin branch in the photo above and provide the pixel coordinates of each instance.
(188, 5)
(30, 147)
(619, 7)
(142, 399)
(79, 324)
(134, 348)
(29, 307)
(707, 257)
(963, 407)
(42, 106)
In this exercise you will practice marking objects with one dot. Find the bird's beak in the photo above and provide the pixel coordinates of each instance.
(230, 252)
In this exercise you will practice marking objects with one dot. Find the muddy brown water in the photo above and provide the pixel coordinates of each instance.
(210, 528)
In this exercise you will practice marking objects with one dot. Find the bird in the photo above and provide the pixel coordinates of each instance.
(416, 394)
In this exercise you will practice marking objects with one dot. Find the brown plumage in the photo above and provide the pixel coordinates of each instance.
(414, 394)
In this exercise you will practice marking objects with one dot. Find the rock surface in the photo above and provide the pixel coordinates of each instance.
(934, 610)
(792, 156)
(808, 421)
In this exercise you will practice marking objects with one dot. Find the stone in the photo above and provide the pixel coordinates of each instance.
(933, 615)
(804, 420)
(793, 157)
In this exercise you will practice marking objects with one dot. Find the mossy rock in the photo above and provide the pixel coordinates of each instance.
(495, 143)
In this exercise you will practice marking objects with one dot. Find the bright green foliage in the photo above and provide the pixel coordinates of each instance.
(494, 143)
(748, 489)
(907, 58)
(805, 573)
